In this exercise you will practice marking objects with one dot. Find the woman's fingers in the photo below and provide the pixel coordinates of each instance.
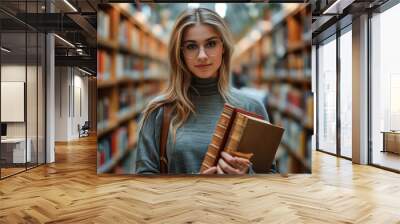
(227, 168)
(228, 158)
(219, 170)
(242, 161)
(240, 164)
(211, 170)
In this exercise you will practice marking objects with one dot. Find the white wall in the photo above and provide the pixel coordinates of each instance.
(17, 73)
(70, 83)
(34, 124)
(14, 73)
(61, 103)
(314, 90)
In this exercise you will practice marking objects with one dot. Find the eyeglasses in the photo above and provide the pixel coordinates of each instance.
(211, 48)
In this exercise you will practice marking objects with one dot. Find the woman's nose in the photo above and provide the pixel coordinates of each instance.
(202, 53)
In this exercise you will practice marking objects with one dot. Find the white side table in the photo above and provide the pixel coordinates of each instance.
(19, 149)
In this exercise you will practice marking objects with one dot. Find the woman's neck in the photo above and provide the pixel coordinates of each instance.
(204, 86)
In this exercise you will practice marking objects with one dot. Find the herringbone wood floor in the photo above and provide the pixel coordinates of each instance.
(69, 191)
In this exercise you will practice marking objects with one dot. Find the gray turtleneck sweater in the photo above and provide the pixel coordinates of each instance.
(193, 138)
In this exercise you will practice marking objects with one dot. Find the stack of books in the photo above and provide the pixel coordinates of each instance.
(246, 135)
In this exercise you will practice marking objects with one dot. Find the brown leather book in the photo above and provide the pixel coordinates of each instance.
(219, 137)
(244, 134)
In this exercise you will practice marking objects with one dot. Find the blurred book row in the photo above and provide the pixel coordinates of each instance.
(279, 62)
(131, 71)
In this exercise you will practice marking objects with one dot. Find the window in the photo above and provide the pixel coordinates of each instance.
(385, 85)
(346, 93)
(327, 96)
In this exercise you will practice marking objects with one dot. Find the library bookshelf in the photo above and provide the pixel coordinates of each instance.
(279, 61)
(131, 71)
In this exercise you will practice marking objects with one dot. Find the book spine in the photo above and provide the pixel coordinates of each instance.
(236, 133)
(218, 138)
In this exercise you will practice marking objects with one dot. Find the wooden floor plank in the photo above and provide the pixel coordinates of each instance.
(70, 191)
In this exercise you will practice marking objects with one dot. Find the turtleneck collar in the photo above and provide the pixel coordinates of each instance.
(204, 87)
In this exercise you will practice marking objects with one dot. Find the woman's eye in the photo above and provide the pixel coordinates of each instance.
(191, 46)
(211, 43)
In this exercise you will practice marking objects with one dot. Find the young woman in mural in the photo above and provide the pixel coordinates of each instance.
(200, 51)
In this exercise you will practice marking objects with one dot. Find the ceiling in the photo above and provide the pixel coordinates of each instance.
(73, 20)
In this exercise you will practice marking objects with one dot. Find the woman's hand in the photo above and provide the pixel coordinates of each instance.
(211, 170)
(228, 164)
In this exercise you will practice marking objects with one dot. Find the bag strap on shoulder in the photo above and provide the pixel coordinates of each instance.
(164, 137)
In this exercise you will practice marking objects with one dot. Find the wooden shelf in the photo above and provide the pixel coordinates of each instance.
(299, 46)
(286, 113)
(104, 84)
(136, 53)
(101, 84)
(113, 45)
(143, 26)
(128, 116)
(288, 79)
(108, 44)
(103, 131)
(110, 164)
(127, 79)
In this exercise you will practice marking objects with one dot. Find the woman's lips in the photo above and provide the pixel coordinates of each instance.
(202, 65)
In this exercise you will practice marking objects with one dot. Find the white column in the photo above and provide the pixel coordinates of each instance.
(50, 110)
(314, 91)
(360, 90)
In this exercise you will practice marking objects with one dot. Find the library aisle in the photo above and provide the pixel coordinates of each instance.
(272, 64)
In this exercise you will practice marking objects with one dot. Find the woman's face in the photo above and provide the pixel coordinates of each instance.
(202, 50)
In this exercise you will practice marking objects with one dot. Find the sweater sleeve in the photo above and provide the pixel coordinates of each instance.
(148, 156)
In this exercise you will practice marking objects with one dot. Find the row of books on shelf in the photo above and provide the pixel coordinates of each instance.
(134, 99)
(286, 37)
(289, 33)
(294, 65)
(103, 25)
(126, 97)
(295, 139)
(295, 74)
(103, 65)
(297, 65)
(116, 146)
(299, 61)
(288, 163)
(127, 164)
(130, 101)
(296, 27)
(112, 145)
(127, 66)
(130, 37)
(103, 113)
(136, 40)
(298, 104)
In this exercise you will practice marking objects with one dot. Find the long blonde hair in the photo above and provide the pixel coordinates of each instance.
(176, 93)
